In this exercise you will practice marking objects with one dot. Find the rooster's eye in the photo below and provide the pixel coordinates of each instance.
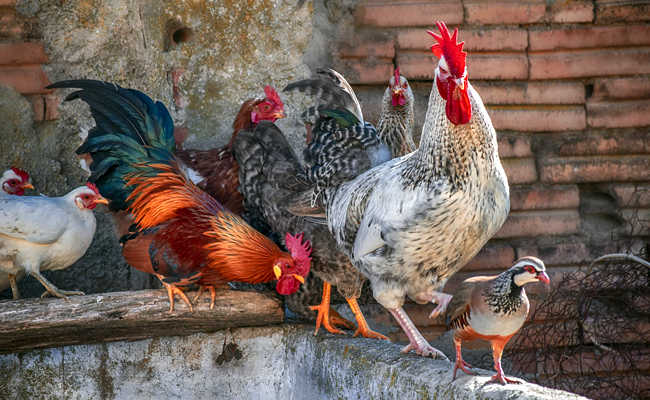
(405, 85)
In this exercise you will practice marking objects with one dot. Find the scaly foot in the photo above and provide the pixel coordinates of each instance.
(417, 342)
(213, 294)
(14, 286)
(53, 290)
(324, 312)
(463, 366)
(338, 321)
(364, 330)
(171, 291)
(501, 378)
(442, 299)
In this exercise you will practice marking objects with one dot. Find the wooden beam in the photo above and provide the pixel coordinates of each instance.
(106, 317)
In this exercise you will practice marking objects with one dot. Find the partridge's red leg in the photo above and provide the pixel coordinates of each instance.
(499, 377)
(459, 361)
(363, 330)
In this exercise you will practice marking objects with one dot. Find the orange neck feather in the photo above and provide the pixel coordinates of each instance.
(243, 119)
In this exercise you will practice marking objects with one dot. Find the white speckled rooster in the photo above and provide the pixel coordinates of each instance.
(411, 223)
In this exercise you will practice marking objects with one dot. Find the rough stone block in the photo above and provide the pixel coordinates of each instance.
(505, 13)
(621, 88)
(559, 254)
(529, 198)
(619, 114)
(491, 258)
(538, 119)
(631, 196)
(479, 66)
(594, 169)
(520, 170)
(371, 72)
(475, 39)
(386, 15)
(507, 93)
(589, 37)
(589, 63)
(366, 47)
(540, 223)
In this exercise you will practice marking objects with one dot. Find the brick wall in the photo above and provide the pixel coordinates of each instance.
(21, 56)
(567, 86)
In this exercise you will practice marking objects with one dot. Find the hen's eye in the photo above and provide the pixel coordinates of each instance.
(266, 107)
(405, 85)
(13, 182)
(86, 197)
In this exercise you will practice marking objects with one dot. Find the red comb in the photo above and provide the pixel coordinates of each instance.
(93, 187)
(397, 76)
(300, 252)
(24, 176)
(272, 95)
(447, 46)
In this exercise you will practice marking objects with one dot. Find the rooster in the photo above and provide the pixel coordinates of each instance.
(411, 223)
(188, 237)
(39, 233)
(270, 173)
(395, 129)
(14, 181)
(215, 170)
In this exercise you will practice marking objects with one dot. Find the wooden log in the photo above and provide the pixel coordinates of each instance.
(39, 323)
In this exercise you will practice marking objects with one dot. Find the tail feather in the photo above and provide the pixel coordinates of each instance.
(131, 130)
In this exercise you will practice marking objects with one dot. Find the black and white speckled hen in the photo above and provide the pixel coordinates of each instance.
(395, 128)
(271, 173)
(411, 223)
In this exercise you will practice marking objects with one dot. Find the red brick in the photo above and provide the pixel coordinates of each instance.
(626, 114)
(11, 25)
(418, 66)
(622, 11)
(594, 169)
(621, 88)
(491, 258)
(475, 40)
(38, 106)
(367, 47)
(559, 254)
(511, 146)
(374, 72)
(589, 63)
(528, 198)
(22, 53)
(7, 3)
(591, 37)
(602, 143)
(540, 223)
(51, 107)
(506, 93)
(631, 195)
(27, 80)
(504, 13)
(538, 119)
(572, 12)
(410, 14)
(636, 222)
(520, 170)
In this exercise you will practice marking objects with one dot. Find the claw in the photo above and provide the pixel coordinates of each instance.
(171, 291)
(213, 294)
(363, 330)
(324, 312)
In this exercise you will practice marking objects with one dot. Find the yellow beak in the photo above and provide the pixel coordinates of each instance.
(27, 186)
(277, 271)
(102, 200)
(280, 115)
(299, 278)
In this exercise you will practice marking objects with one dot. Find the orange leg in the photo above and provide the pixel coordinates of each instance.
(459, 361)
(364, 329)
(324, 312)
(499, 377)
(340, 322)
(213, 293)
(171, 291)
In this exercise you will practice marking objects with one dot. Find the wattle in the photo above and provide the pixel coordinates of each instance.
(287, 285)
(459, 108)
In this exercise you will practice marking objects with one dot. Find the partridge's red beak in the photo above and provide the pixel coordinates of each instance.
(543, 277)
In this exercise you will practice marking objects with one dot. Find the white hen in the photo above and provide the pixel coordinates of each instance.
(46, 233)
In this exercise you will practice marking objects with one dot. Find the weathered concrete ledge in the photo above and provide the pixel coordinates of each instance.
(39, 323)
(277, 362)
